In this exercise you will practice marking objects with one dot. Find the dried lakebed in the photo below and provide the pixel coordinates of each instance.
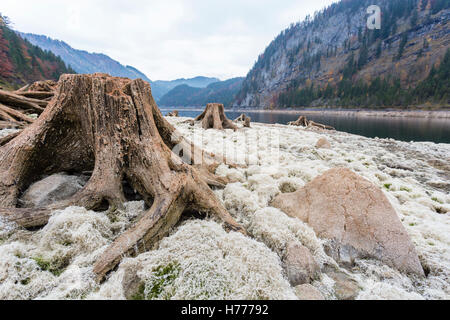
(199, 260)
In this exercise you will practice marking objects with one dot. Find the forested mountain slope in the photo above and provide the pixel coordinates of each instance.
(221, 92)
(333, 59)
(22, 63)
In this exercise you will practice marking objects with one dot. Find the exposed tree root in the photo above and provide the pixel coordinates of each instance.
(112, 127)
(214, 118)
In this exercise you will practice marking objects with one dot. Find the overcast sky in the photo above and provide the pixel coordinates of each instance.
(165, 39)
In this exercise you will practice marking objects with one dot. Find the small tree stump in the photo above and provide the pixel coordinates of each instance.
(173, 114)
(302, 121)
(244, 119)
(214, 118)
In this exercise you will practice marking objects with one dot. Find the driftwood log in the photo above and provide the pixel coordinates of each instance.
(302, 121)
(243, 118)
(214, 118)
(113, 128)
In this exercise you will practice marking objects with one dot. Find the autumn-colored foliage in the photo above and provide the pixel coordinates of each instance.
(22, 63)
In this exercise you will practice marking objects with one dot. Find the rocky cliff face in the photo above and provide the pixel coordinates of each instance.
(336, 45)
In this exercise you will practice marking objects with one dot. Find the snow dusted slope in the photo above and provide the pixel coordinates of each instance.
(201, 261)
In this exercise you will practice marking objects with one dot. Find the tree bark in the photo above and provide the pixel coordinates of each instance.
(112, 127)
(214, 118)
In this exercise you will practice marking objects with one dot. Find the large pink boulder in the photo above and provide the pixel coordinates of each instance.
(356, 216)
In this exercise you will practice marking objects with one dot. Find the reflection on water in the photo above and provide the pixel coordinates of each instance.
(404, 129)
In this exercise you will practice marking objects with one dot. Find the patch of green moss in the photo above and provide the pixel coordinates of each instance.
(161, 277)
(140, 294)
(25, 282)
(54, 267)
(405, 189)
(387, 186)
(437, 200)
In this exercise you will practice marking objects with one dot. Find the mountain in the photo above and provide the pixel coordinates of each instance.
(160, 88)
(222, 92)
(333, 59)
(83, 61)
(22, 63)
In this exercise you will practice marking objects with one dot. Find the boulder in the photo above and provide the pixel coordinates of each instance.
(355, 216)
(308, 292)
(300, 265)
(52, 189)
(345, 288)
(323, 143)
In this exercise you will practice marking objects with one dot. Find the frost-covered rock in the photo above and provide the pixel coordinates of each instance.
(308, 292)
(51, 189)
(323, 143)
(300, 265)
(345, 288)
(356, 216)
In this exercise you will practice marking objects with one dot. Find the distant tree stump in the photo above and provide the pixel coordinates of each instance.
(214, 118)
(113, 128)
(173, 114)
(244, 119)
(302, 121)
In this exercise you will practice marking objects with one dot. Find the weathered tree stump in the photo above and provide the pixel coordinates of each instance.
(214, 118)
(302, 121)
(244, 119)
(113, 128)
(174, 113)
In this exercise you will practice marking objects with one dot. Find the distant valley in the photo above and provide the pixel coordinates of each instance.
(85, 62)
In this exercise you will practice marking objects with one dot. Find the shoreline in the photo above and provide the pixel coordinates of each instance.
(433, 114)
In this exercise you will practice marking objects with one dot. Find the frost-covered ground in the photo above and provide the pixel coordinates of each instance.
(199, 260)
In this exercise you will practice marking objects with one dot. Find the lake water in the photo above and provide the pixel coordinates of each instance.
(400, 128)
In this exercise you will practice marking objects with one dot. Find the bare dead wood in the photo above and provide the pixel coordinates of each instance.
(10, 125)
(15, 115)
(214, 118)
(9, 137)
(41, 95)
(244, 119)
(15, 100)
(113, 128)
(25, 217)
(174, 113)
(302, 121)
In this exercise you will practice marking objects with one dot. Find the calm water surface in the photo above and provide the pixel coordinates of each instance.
(404, 129)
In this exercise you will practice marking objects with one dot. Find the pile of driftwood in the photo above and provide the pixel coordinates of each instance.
(302, 121)
(20, 108)
(17, 106)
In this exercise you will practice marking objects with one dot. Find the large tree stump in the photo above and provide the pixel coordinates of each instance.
(113, 128)
(214, 118)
